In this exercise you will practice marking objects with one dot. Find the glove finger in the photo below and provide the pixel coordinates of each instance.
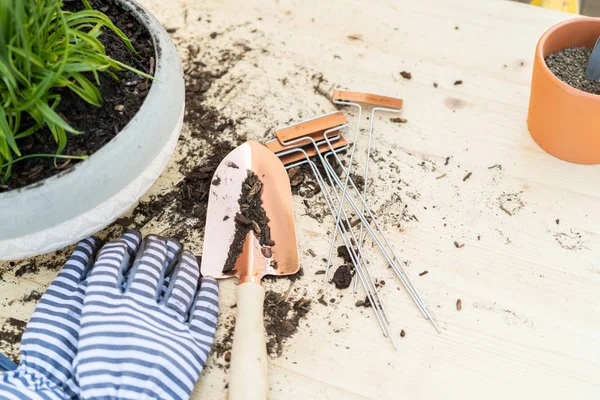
(183, 285)
(112, 261)
(148, 271)
(78, 264)
(174, 249)
(203, 317)
(133, 240)
(52, 332)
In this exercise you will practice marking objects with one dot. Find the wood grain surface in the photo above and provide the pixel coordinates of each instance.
(461, 189)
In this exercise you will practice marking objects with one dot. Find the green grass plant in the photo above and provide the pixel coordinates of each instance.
(44, 49)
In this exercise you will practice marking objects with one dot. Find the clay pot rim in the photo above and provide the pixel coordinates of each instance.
(544, 67)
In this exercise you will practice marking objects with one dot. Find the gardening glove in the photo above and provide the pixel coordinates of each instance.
(49, 343)
(133, 345)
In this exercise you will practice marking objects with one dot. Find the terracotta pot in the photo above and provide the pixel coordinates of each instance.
(64, 208)
(563, 120)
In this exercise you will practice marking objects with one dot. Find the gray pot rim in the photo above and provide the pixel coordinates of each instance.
(66, 207)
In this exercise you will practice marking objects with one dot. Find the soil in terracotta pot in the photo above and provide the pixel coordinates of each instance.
(120, 101)
(569, 66)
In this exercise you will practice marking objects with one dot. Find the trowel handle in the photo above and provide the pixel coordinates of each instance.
(248, 374)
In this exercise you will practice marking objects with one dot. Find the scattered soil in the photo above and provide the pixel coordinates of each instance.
(282, 318)
(342, 252)
(406, 75)
(342, 278)
(511, 203)
(252, 217)
(358, 180)
(28, 268)
(467, 176)
(10, 337)
(458, 305)
(33, 296)
(459, 245)
(402, 333)
(423, 273)
(303, 182)
(99, 124)
(323, 92)
(292, 278)
(213, 136)
(459, 82)
(569, 66)
(399, 120)
(571, 240)
(435, 85)
(363, 303)
(225, 343)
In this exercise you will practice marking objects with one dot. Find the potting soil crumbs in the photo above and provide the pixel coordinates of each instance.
(282, 317)
(569, 66)
(252, 217)
(10, 337)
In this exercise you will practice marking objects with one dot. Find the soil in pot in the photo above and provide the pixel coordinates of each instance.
(569, 66)
(120, 101)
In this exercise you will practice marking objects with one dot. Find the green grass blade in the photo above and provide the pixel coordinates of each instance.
(6, 133)
(55, 156)
(86, 89)
(44, 49)
(53, 118)
(4, 150)
(28, 132)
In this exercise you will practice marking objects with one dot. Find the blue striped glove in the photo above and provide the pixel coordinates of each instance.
(133, 345)
(49, 343)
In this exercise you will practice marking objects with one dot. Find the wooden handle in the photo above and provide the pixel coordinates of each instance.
(248, 374)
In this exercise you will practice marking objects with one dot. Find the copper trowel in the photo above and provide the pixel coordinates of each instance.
(255, 256)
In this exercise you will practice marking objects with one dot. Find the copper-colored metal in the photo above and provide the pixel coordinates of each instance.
(311, 151)
(367, 98)
(223, 205)
(314, 128)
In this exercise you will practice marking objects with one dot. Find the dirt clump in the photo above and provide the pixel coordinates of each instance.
(342, 277)
(364, 303)
(282, 318)
(252, 217)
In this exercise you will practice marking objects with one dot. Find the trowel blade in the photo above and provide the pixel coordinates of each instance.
(223, 206)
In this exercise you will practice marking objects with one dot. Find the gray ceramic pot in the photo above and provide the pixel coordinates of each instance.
(66, 208)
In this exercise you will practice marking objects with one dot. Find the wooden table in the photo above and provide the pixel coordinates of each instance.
(529, 271)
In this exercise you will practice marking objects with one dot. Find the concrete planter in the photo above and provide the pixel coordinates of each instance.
(67, 207)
